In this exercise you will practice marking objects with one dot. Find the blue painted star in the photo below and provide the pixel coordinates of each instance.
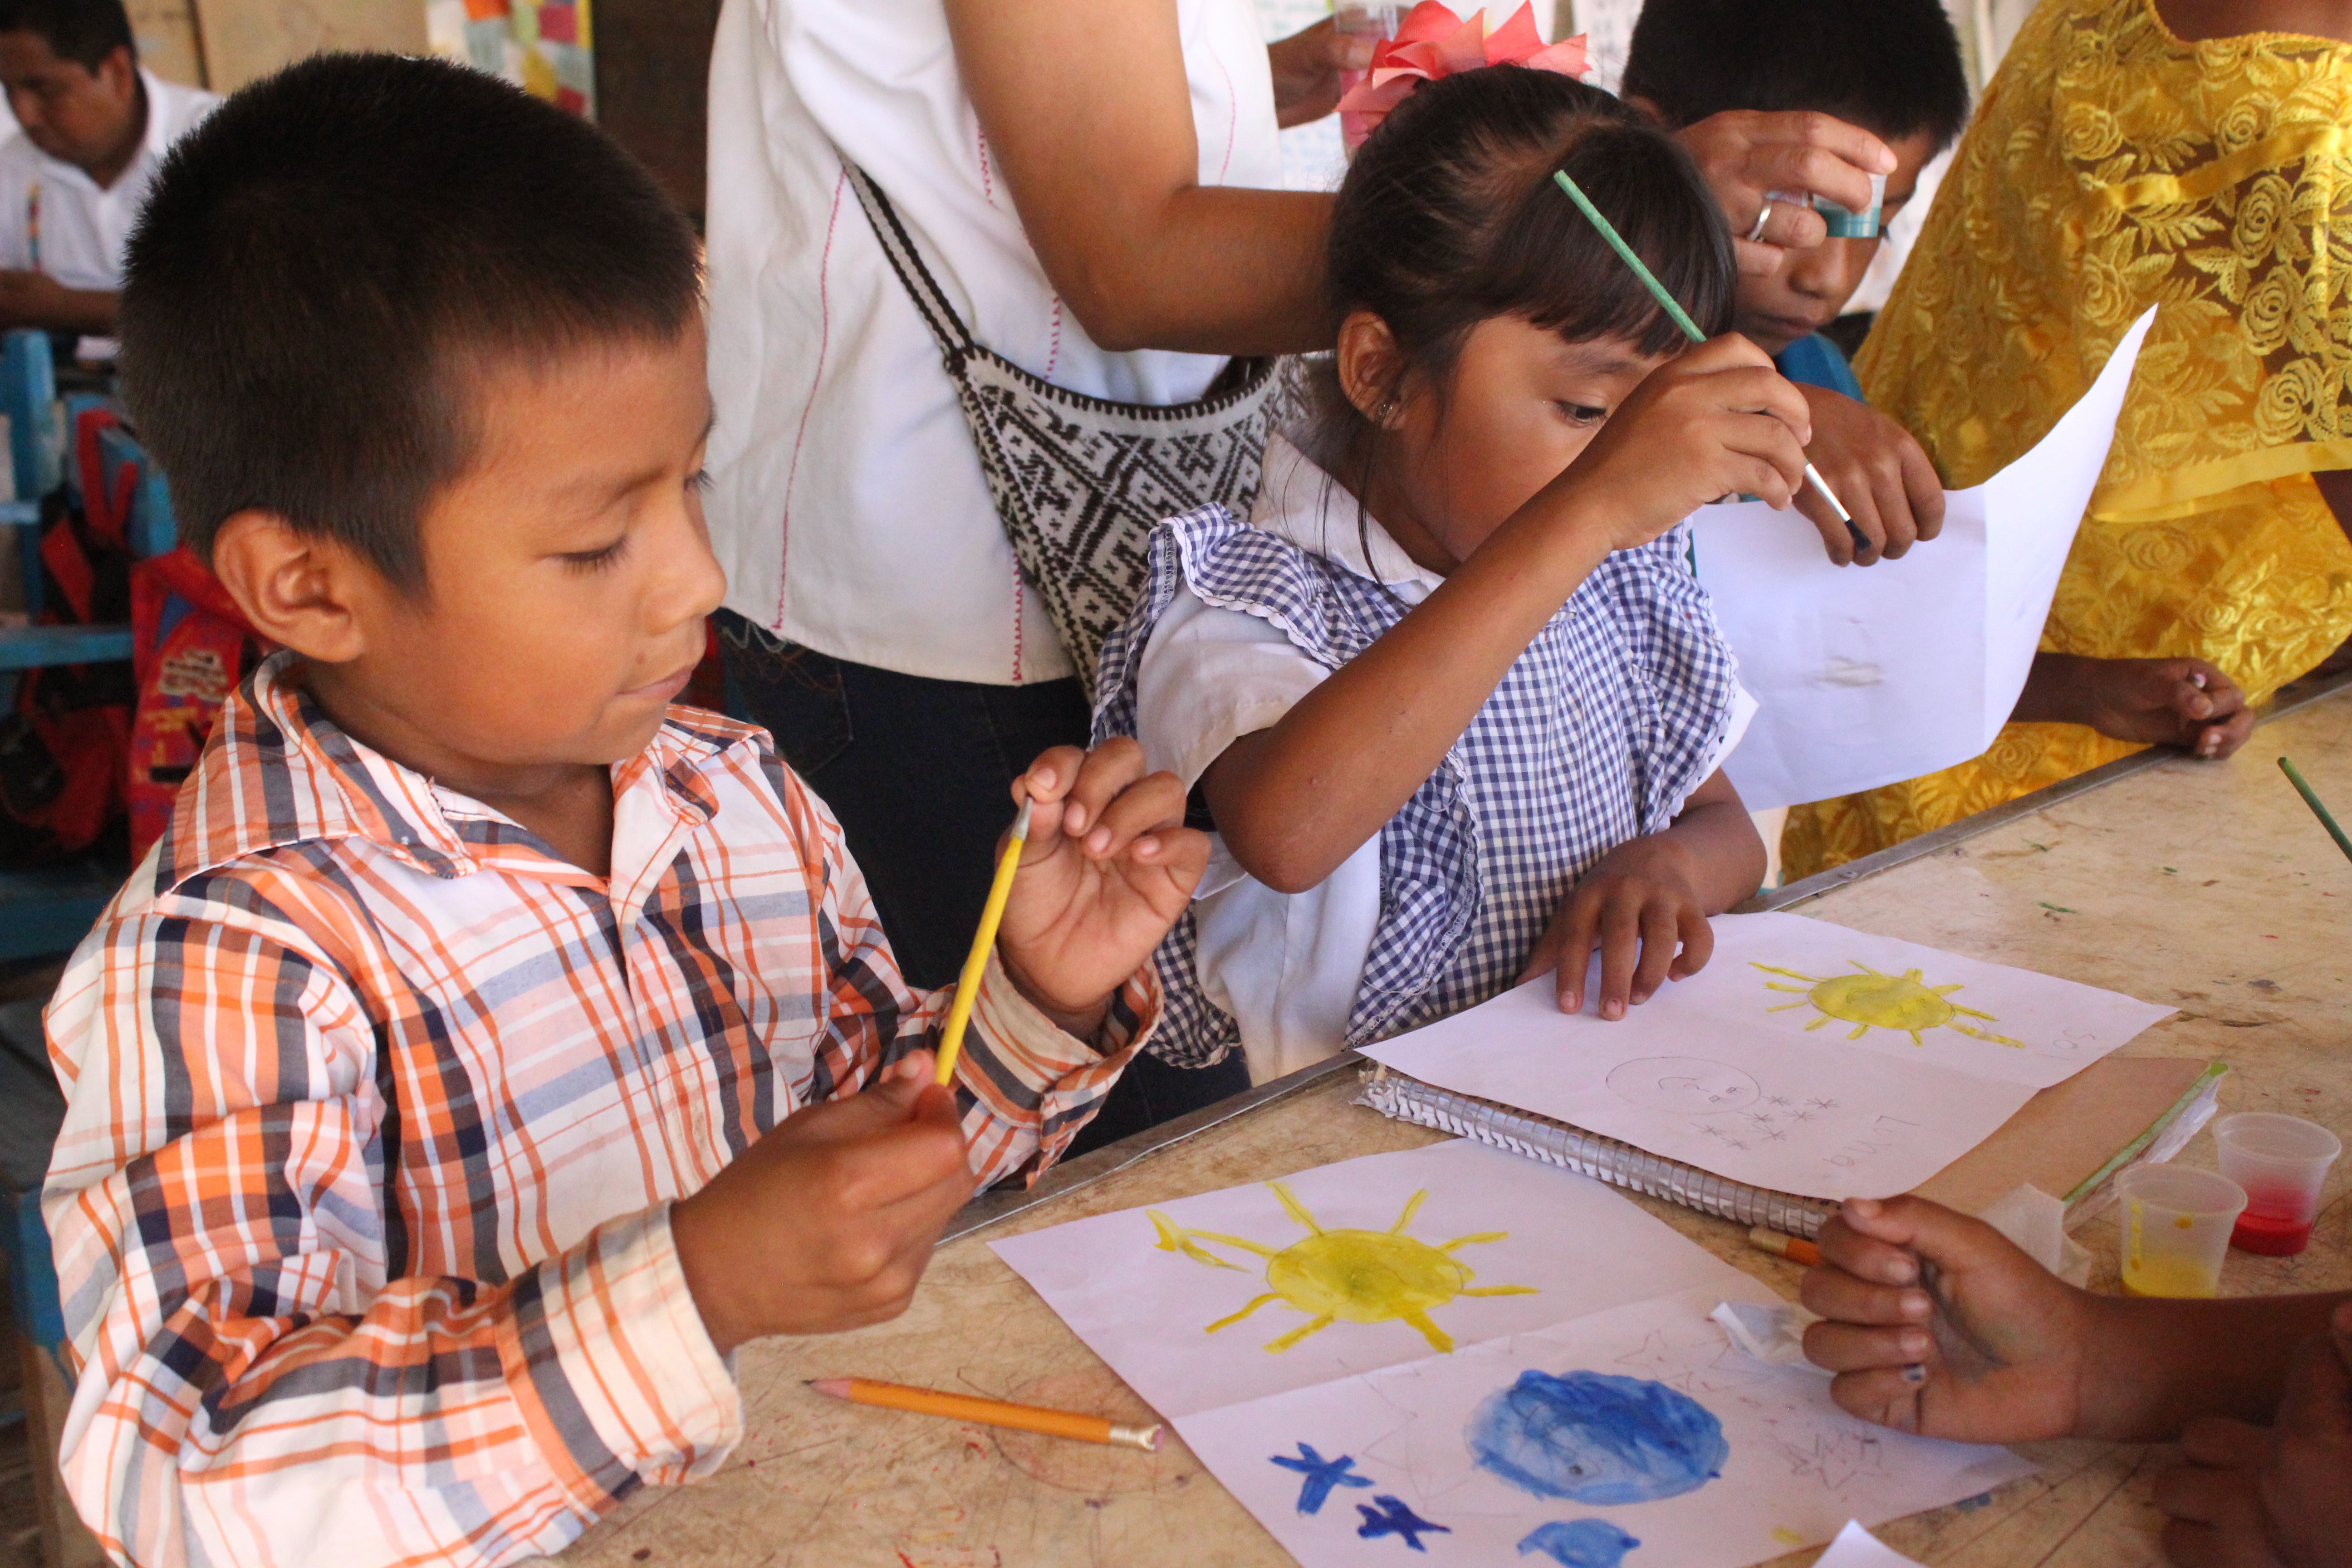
(1393, 1518)
(1321, 1475)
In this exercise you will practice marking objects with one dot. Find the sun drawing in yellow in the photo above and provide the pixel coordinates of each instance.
(1885, 1001)
(1347, 1276)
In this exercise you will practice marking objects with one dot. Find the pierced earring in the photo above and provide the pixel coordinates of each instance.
(1388, 406)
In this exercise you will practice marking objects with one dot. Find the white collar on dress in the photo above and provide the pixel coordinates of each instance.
(1301, 504)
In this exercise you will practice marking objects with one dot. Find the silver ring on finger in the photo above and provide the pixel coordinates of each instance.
(1763, 216)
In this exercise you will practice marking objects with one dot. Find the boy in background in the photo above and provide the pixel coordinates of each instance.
(95, 128)
(488, 1048)
(1894, 69)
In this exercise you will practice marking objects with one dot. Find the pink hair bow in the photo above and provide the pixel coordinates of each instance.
(1434, 42)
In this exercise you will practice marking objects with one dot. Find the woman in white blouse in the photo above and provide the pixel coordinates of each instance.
(1092, 184)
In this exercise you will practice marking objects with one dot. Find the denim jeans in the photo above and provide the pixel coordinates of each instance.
(920, 773)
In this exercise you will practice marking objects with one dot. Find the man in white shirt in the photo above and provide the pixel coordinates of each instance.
(95, 128)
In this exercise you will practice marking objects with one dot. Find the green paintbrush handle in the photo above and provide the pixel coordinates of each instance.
(2311, 800)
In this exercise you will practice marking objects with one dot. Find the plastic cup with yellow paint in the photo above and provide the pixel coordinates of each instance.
(2176, 1229)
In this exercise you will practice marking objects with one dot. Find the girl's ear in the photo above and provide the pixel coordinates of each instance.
(1371, 367)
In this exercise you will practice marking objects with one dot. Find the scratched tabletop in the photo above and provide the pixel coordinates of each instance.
(2205, 886)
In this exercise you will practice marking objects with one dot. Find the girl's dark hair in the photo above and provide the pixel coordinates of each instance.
(1449, 216)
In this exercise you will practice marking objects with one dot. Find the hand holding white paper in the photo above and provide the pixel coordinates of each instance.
(1865, 677)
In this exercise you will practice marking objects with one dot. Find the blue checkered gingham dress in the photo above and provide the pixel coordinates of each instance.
(1598, 735)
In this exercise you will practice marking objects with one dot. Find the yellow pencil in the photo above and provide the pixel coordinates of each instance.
(991, 914)
(987, 1411)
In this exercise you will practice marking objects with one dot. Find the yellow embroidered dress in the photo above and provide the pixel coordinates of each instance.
(2112, 166)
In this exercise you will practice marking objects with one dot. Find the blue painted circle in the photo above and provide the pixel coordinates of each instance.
(1596, 1438)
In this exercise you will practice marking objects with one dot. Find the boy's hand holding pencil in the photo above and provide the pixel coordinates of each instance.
(826, 1223)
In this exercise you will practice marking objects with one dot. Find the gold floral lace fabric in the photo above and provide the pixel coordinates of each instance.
(2112, 167)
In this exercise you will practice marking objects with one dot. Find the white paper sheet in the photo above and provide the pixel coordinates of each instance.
(1869, 675)
(1857, 1548)
(1805, 1057)
(1146, 1310)
(1639, 1431)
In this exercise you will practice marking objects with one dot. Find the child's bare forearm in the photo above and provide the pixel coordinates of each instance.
(2150, 1366)
(1725, 857)
(1294, 800)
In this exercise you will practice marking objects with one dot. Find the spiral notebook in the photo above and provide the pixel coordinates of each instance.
(2069, 1138)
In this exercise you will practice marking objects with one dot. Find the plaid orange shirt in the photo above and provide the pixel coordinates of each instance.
(377, 1108)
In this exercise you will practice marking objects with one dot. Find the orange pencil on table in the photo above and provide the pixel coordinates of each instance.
(987, 1411)
(1795, 1248)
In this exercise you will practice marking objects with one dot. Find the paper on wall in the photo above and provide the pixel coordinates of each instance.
(1638, 1435)
(1867, 676)
(1805, 1057)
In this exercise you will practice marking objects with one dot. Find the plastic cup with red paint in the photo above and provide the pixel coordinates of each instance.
(2281, 1161)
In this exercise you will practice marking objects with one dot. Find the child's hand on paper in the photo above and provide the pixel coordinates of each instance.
(2270, 1496)
(1110, 866)
(2183, 702)
(1645, 904)
(1690, 433)
(1877, 471)
(826, 1223)
(2006, 1363)
(1640, 906)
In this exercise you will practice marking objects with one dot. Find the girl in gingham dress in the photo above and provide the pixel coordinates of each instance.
(1451, 697)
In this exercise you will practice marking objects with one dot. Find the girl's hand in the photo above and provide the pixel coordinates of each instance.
(1718, 420)
(2183, 702)
(1110, 866)
(1877, 471)
(1990, 1347)
(1642, 907)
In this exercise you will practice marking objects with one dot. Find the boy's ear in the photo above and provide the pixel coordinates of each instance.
(297, 589)
(1371, 366)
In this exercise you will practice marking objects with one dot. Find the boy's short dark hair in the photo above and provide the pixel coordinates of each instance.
(1892, 67)
(326, 260)
(82, 31)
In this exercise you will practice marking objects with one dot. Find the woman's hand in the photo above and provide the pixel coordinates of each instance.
(1877, 471)
(1936, 1323)
(1108, 867)
(2183, 702)
(1307, 67)
(1745, 153)
(1718, 420)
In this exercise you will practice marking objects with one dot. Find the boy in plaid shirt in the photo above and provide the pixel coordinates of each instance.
(489, 1048)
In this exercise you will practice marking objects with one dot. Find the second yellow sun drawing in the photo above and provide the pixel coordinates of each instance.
(1871, 999)
(1347, 1276)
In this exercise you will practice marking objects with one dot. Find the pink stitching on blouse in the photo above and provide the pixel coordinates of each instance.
(824, 338)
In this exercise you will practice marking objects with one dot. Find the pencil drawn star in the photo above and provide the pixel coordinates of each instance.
(1320, 1476)
(1821, 1104)
(1757, 1118)
(1832, 1458)
(1393, 1518)
(1774, 1135)
(1800, 1116)
(1781, 1101)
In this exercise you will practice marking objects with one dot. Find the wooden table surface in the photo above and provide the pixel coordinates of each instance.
(2205, 886)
